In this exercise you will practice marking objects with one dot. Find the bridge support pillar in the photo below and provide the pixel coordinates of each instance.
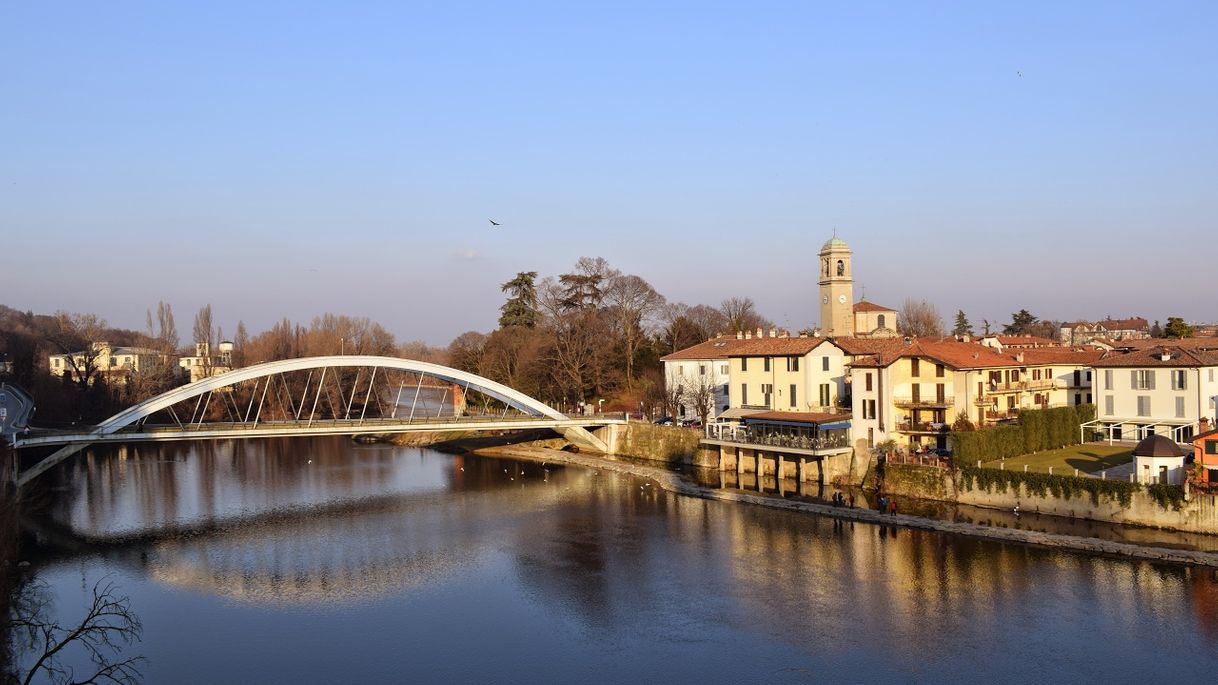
(778, 467)
(759, 457)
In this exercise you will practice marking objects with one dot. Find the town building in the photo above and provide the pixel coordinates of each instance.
(836, 289)
(1083, 332)
(204, 364)
(113, 364)
(699, 375)
(1164, 390)
(874, 321)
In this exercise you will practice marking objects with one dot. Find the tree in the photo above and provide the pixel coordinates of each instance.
(465, 352)
(205, 333)
(1156, 331)
(963, 327)
(920, 319)
(1021, 323)
(685, 326)
(241, 343)
(632, 303)
(1177, 328)
(521, 308)
(584, 287)
(740, 314)
(70, 334)
(108, 625)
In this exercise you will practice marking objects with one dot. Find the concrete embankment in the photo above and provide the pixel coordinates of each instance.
(675, 483)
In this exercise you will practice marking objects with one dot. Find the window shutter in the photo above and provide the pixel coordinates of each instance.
(1133, 380)
(1151, 377)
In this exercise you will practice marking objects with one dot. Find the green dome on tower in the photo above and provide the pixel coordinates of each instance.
(834, 243)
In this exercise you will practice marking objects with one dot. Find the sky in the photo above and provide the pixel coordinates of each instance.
(287, 159)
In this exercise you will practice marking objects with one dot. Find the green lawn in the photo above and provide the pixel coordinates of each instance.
(1086, 458)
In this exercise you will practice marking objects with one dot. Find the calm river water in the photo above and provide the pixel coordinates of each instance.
(319, 561)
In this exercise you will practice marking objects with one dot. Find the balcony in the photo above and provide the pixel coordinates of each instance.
(834, 440)
(1002, 414)
(923, 402)
(921, 427)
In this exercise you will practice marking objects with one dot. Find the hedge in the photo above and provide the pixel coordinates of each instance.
(1040, 484)
(1037, 430)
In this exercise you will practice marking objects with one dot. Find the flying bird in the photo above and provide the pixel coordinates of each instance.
(493, 222)
(1019, 74)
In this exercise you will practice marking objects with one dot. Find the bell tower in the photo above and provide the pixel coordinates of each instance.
(836, 289)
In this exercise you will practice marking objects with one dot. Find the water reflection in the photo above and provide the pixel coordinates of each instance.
(569, 573)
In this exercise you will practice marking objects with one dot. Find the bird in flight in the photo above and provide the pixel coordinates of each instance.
(493, 222)
(1019, 74)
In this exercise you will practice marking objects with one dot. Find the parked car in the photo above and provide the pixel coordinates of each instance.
(691, 423)
(663, 421)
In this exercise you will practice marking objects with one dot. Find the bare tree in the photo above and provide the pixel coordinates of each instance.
(204, 332)
(685, 326)
(107, 626)
(73, 333)
(241, 343)
(740, 314)
(920, 319)
(632, 303)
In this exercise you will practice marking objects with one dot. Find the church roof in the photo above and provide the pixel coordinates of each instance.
(834, 242)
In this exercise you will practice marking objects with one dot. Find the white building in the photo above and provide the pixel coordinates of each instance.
(204, 364)
(1159, 391)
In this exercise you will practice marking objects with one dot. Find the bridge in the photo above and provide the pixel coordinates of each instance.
(333, 395)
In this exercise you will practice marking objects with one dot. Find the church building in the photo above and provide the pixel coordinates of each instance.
(840, 315)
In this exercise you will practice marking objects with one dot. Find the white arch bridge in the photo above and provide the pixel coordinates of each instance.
(334, 395)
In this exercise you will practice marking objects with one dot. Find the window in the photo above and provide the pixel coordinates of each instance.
(793, 402)
(1108, 379)
(1088, 375)
(1143, 405)
(792, 363)
(723, 370)
(1179, 407)
(879, 321)
(744, 363)
(1142, 379)
(940, 393)
(1088, 398)
(913, 367)
(841, 268)
(702, 369)
(1108, 405)
(867, 381)
(871, 431)
(868, 409)
(1078, 378)
(1211, 446)
(744, 393)
(939, 370)
(767, 390)
(1178, 381)
(824, 395)
(824, 364)
(1211, 375)
(1078, 398)
(766, 365)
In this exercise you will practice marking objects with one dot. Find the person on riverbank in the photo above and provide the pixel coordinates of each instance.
(883, 503)
(851, 500)
(892, 507)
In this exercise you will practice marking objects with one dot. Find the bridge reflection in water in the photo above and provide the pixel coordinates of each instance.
(608, 563)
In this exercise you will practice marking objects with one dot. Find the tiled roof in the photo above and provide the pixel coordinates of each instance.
(1136, 324)
(715, 348)
(1174, 343)
(1033, 340)
(1048, 356)
(798, 416)
(865, 306)
(1148, 358)
(949, 351)
(765, 347)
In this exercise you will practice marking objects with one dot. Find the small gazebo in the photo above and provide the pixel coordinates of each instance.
(1158, 459)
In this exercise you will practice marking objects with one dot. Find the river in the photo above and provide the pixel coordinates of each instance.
(321, 561)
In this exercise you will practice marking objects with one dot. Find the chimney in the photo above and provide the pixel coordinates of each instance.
(773, 332)
(740, 335)
(1019, 357)
(760, 333)
(1203, 425)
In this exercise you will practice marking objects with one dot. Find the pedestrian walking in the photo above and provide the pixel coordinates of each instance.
(892, 507)
(851, 500)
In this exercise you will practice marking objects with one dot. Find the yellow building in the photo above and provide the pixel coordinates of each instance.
(836, 289)
(204, 364)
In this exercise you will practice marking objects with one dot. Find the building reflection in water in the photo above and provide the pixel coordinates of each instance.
(318, 521)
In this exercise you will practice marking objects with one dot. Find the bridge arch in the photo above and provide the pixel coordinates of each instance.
(510, 397)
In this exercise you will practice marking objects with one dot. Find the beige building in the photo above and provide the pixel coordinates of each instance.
(788, 374)
(874, 321)
(204, 364)
(114, 364)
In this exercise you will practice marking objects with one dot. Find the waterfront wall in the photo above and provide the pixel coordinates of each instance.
(666, 444)
(1197, 514)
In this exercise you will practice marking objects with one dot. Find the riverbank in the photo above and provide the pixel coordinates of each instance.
(674, 483)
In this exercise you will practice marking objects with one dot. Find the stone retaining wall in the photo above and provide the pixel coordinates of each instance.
(674, 483)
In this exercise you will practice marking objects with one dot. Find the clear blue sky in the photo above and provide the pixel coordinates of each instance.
(288, 158)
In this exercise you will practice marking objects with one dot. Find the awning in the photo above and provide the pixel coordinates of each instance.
(832, 426)
(740, 413)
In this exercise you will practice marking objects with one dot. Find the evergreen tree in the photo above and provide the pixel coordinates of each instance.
(963, 327)
(1156, 331)
(1021, 323)
(521, 308)
(1176, 328)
